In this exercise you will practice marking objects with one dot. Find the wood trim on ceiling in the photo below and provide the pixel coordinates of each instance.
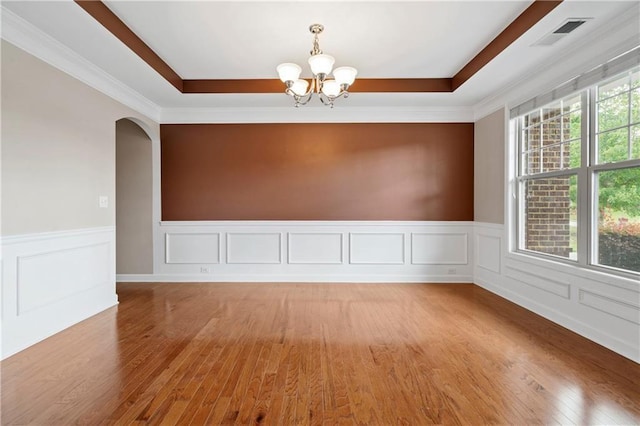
(380, 85)
(101, 13)
(526, 20)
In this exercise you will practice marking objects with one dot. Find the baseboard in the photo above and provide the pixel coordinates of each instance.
(295, 278)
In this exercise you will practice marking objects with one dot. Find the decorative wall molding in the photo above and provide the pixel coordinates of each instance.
(32, 270)
(319, 251)
(376, 248)
(53, 280)
(256, 248)
(602, 310)
(538, 281)
(488, 249)
(619, 308)
(52, 235)
(598, 306)
(346, 114)
(193, 248)
(27, 37)
(592, 275)
(439, 248)
(315, 248)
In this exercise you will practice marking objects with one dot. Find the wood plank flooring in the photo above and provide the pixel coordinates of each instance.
(280, 354)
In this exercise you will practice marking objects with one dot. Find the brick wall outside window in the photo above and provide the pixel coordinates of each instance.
(547, 205)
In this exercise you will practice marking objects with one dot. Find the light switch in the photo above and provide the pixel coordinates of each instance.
(103, 201)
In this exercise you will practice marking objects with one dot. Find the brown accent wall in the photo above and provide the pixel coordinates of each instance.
(417, 171)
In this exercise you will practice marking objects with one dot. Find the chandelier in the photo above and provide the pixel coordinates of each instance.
(328, 90)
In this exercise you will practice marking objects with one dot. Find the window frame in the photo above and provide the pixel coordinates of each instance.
(587, 202)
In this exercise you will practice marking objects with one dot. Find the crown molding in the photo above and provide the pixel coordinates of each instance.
(27, 37)
(537, 10)
(615, 37)
(338, 114)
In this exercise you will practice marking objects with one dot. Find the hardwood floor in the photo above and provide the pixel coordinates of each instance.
(317, 354)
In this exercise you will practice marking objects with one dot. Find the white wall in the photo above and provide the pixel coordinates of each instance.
(58, 158)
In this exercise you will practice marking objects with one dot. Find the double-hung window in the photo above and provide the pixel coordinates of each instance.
(578, 170)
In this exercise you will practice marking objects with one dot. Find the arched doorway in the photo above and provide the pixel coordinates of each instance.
(134, 199)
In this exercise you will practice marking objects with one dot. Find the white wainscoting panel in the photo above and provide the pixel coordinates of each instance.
(316, 248)
(599, 306)
(254, 248)
(378, 248)
(541, 282)
(53, 280)
(627, 310)
(488, 252)
(315, 251)
(193, 248)
(439, 248)
(44, 278)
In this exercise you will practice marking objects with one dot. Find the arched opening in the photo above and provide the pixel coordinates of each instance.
(134, 199)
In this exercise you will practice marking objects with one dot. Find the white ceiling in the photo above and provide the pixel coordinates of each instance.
(239, 39)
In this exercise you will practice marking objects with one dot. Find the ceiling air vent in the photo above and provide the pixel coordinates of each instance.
(569, 26)
(562, 31)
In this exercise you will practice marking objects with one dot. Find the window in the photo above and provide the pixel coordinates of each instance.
(578, 175)
(616, 173)
(550, 146)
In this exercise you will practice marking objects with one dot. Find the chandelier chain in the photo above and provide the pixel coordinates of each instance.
(316, 46)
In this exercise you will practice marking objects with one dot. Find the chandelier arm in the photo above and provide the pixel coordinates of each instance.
(294, 94)
(290, 92)
(326, 100)
(307, 95)
(306, 101)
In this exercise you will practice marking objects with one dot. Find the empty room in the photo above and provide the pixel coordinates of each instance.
(320, 212)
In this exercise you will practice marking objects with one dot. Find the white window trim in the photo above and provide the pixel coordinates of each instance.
(587, 197)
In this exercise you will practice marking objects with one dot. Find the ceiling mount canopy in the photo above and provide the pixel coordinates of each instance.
(328, 90)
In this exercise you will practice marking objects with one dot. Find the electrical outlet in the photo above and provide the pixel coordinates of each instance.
(452, 271)
(205, 270)
(103, 201)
